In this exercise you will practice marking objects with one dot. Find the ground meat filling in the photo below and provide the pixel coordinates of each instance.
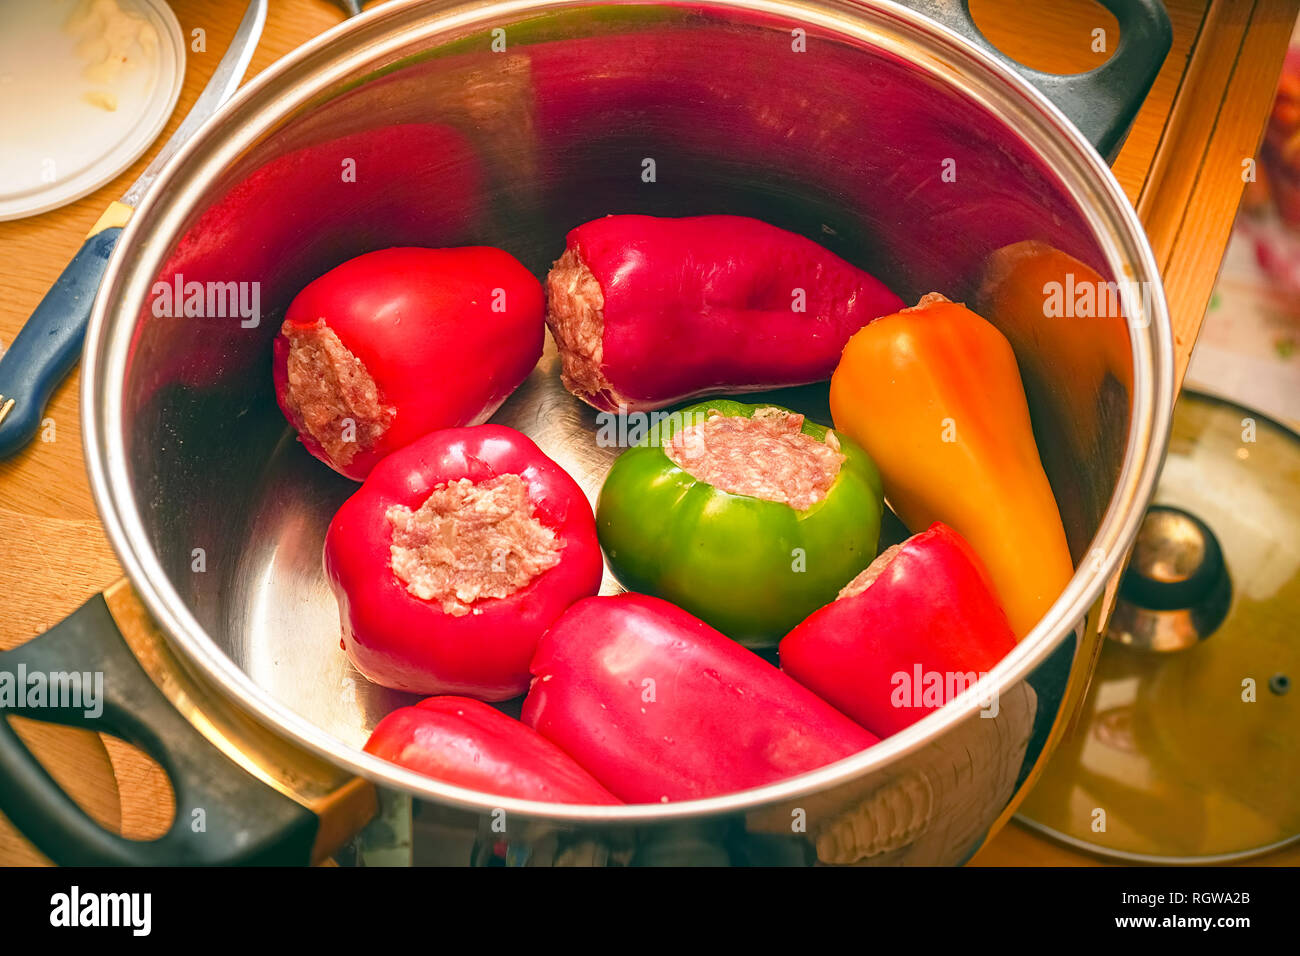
(575, 315)
(471, 541)
(929, 299)
(766, 456)
(869, 574)
(331, 393)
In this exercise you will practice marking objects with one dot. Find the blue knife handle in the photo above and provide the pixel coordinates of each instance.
(49, 344)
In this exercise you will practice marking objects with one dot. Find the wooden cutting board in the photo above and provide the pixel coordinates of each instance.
(1181, 166)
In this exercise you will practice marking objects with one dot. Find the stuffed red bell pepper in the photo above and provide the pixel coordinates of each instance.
(454, 556)
(658, 706)
(394, 344)
(648, 311)
(908, 634)
(468, 743)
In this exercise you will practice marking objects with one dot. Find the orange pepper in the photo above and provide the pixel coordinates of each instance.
(1077, 368)
(934, 395)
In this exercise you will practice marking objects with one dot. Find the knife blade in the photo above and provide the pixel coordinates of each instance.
(49, 343)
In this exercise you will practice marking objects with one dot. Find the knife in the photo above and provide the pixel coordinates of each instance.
(49, 343)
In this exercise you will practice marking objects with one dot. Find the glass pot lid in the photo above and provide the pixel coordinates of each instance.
(1187, 748)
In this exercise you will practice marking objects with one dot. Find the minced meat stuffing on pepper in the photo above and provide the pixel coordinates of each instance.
(767, 456)
(328, 388)
(575, 315)
(869, 574)
(471, 541)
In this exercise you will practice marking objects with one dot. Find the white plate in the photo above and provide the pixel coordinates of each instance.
(56, 145)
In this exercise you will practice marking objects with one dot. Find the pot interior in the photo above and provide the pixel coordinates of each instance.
(406, 131)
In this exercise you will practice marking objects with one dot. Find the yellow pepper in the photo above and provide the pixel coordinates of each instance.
(934, 395)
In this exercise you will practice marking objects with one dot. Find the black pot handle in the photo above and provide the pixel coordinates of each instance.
(1101, 102)
(224, 815)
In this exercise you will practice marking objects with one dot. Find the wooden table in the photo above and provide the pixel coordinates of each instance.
(1181, 166)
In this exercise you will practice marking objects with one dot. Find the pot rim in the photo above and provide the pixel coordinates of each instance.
(299, 79)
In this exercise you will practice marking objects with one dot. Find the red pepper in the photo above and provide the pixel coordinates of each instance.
(445, 334)
(659, 706)
(927, 626)
(470, 744)
(408, 643)
(706, 304)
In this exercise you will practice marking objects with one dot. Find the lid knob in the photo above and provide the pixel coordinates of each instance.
(1176, 590)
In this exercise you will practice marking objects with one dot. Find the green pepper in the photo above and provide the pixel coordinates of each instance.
(752, 568)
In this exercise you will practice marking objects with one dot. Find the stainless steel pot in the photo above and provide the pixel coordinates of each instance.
(891, 139)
